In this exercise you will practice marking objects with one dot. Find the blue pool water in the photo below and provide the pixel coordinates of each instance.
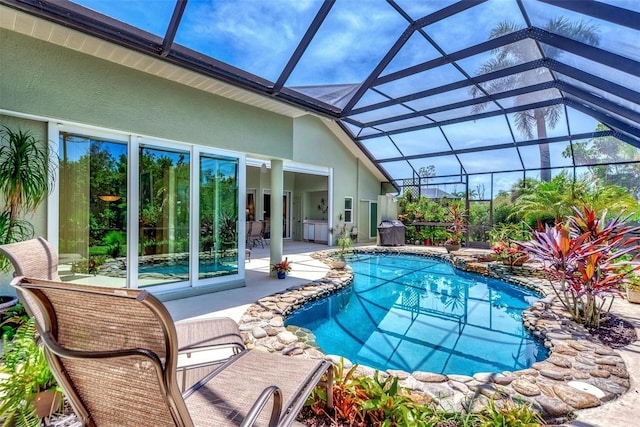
(421, 314)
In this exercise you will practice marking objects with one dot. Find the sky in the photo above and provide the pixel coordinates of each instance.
(259, 36)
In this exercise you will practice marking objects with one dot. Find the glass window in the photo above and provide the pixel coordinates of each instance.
(218, 244)
(93, 208)
(348, 209)
(164, 216)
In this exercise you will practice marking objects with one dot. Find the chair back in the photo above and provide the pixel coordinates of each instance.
(33, 258)
(114, 351)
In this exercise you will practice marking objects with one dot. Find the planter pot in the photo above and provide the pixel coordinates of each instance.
(6, 302)
(47, 403)
(281, 274)
(338, 264)
(516, 263)
(428, 242)
(452, 248)
(633, 295)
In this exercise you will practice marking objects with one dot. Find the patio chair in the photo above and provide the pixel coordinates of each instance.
(37, 258)
(254, 234)
(115, 352)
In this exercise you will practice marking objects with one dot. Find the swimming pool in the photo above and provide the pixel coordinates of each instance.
(421, 314)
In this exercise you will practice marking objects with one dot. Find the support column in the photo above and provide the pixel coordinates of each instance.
(277, 192)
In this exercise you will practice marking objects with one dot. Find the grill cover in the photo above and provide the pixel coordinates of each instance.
(391, 233)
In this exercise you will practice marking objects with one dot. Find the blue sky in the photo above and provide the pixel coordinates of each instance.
(260, 35)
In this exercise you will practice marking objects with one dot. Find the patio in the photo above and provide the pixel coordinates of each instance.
(451, 390)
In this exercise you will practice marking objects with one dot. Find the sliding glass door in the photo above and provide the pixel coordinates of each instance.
(218, 244)
(137, 213)
(164, 194)
(92, 222)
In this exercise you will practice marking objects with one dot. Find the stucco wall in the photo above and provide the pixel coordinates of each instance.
(314, 143)
(44, 79)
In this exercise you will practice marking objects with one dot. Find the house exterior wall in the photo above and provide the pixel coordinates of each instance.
(47, 80)
(314, 143)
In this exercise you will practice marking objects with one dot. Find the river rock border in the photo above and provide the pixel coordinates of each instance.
(578, 374)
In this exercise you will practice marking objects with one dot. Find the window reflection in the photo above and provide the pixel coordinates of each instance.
(164, 216)
(218, 244)
(93, 209)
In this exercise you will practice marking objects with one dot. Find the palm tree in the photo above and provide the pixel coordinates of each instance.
(522, 52)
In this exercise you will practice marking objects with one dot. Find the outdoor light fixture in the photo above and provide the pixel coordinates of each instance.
(263, 168)
(110, 197)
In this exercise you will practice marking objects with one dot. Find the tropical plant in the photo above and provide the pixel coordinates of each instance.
(115, 241)
(523, 52)
(509, 414)
(26, 375)
(458, 225)
(11, 320)
(583, 260)
(26, 179)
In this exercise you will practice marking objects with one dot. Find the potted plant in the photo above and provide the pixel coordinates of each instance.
(510, 254)
(456, 229)
(343, 241)
(282, 268)
(29, 389)
(633, 291)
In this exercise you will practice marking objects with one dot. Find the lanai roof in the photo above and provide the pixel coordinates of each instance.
(463, 87)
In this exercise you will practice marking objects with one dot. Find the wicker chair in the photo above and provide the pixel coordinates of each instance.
(114, 351)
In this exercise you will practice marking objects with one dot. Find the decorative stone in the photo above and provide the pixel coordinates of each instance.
(503, 379)
(575, 398)
(559, 361)
(608, 360)
(286, 337)
(525, 387)
(553, 406)
(459, 378)
(258, 332)
(587, 388)
(600, 373)
(429, 377)
(556, 374)
(402, 375)
(277, 322)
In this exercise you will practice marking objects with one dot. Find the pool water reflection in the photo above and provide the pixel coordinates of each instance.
(421, 314)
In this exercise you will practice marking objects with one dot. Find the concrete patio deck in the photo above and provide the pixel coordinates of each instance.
(622, 412)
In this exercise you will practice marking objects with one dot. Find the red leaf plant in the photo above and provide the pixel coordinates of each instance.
(586, 261)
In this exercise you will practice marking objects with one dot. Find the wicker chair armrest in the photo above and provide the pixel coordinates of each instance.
(260, 403)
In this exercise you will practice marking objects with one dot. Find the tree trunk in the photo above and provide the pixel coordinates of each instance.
(545, 156)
